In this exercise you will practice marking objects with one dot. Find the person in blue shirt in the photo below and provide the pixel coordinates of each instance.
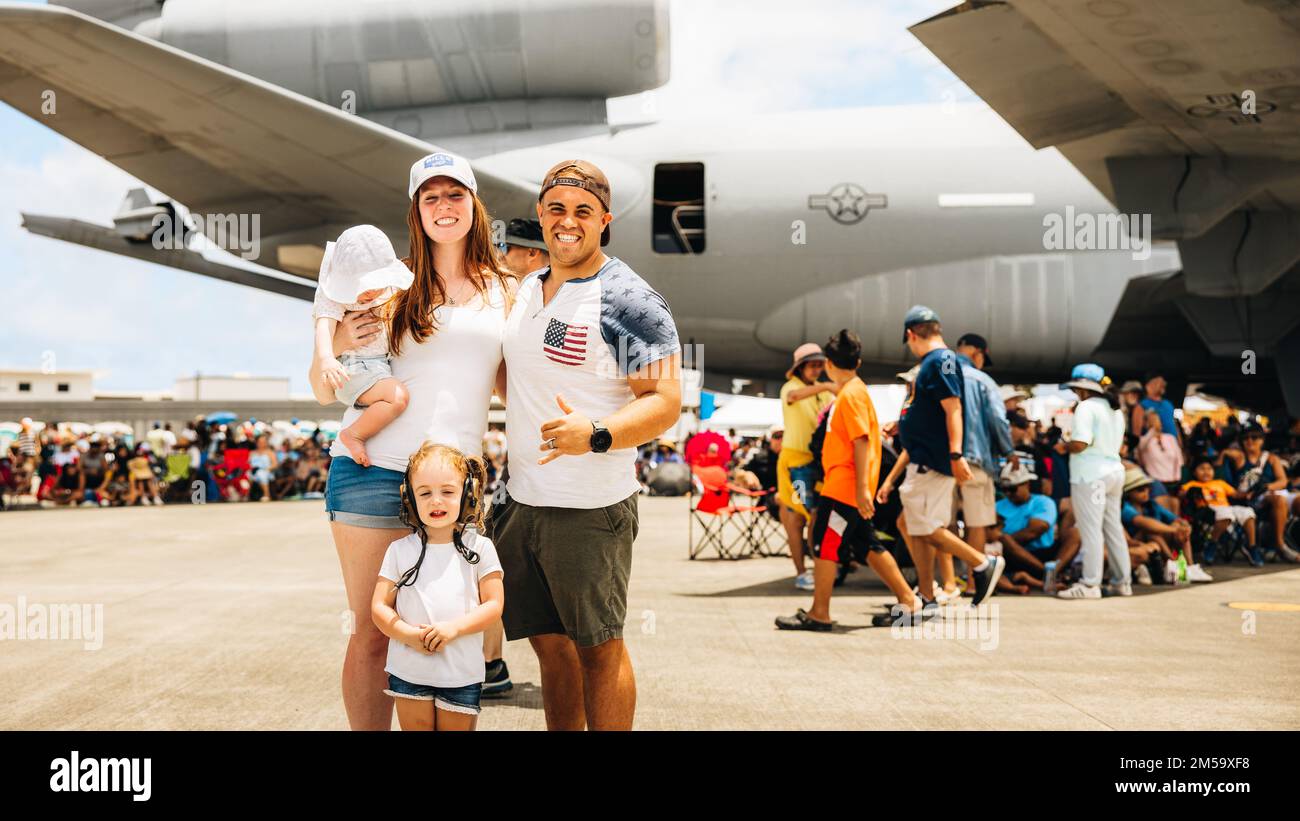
(932, 435)
(987, 436)
(1028, 529)
(1148, 521)
(1155, 401)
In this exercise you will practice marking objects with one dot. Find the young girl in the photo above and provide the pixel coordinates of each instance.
(438, 589)
(360, 272)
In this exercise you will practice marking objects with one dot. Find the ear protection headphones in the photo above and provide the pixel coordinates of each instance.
(410, 517)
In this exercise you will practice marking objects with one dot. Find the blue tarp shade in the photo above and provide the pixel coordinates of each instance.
(706, 404)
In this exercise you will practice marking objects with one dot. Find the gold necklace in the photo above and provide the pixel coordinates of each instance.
(452, 300)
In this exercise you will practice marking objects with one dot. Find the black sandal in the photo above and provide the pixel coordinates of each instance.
(802, 621)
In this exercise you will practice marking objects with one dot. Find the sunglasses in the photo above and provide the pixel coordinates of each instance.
(778, 436)
(501, 247)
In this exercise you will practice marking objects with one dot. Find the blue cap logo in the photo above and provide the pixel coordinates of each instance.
(438, 160)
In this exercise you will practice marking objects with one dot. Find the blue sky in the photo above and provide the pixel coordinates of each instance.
(140, 326)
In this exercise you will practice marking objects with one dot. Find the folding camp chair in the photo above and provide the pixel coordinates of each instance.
(763, 529)
(727, 527)
(177, 477)
(231, 475)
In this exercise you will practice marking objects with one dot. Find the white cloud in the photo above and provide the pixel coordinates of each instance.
(756, 56)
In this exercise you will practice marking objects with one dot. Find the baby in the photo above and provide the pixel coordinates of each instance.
(360, 272)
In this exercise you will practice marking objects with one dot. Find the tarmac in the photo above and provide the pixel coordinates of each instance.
(232, 616)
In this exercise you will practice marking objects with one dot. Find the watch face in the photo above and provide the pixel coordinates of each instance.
(601, 439)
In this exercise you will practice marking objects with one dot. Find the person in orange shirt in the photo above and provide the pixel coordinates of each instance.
(842, 529)
(1216, 494)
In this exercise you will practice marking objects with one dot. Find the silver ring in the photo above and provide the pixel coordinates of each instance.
(550, 443)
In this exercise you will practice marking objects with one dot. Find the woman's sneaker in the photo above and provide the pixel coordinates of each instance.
(1079, 590)
(986, 581)
(1196, 574)
(804, 581)
(1144, 575)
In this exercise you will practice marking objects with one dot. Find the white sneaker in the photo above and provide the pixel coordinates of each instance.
(947, 598)
(1079, 590)
(1144, 576)
(1124, 588)
(158, 501)
(104, 503)
(144, 500)
(804, 581)
(1196, 574)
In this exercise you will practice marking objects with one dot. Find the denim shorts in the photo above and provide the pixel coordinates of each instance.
(363, 372)
(457, 699)
(364, 497)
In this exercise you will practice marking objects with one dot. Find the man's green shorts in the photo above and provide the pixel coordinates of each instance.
(566, 569)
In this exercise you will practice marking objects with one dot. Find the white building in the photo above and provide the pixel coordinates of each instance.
(34, 385)
(202, 388)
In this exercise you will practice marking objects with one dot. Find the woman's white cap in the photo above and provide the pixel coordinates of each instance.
(442, 164)
(361, 260)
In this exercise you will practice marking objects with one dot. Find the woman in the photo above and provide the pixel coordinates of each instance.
(1097, 485)
(445, 343)
(263, 462)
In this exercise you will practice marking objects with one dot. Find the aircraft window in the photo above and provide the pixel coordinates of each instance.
(677, 226)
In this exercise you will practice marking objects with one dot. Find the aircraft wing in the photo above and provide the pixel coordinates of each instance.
(216, 140)
(1188, 110)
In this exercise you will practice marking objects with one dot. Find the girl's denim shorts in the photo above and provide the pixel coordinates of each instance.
(364, 497)
(457, 699)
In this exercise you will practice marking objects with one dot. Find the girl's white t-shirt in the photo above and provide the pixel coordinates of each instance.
(446, 589)
(450, 377)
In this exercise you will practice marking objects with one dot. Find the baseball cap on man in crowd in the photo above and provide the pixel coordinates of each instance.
(580, 174)
(917, 315)
(525, 234)
(979, 343)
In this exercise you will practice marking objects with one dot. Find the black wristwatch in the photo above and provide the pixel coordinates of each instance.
(601, 438)
(953, 457)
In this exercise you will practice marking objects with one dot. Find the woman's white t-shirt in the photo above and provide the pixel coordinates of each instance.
(446, 589)
(450, 377)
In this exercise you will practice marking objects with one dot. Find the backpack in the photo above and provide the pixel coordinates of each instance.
(818, 441)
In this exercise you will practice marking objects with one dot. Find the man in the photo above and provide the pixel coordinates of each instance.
(987, 437)
(803, 396)
(1155, 401)
(1029, 529)
(524, 250)
(1261, 482)
(933, 437)
(1130, 400)
(843, 529)
(592, 362)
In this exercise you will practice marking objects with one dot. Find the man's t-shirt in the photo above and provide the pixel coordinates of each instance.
(925, 427)
(1165, 409)
(800, 418)
(1214, 491)
(445, 589)
(1017, 518)
(852, 415)
(582, 345)
(1152, 510)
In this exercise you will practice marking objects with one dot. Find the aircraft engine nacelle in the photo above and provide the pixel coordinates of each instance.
(384, 54)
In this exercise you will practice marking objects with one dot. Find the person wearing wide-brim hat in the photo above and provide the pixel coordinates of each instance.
(1097, 484)
(803, 397)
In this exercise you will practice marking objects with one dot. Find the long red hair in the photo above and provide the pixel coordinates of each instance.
(411, 311)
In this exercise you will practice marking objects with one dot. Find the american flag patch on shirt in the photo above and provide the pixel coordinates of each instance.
(566, 344)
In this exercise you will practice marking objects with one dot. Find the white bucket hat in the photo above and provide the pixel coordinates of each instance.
(361, 260)
(442, 164)
(1013, 474)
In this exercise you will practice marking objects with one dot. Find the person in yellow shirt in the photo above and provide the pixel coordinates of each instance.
(843, 530)
(803, 397)
(1216, 494)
